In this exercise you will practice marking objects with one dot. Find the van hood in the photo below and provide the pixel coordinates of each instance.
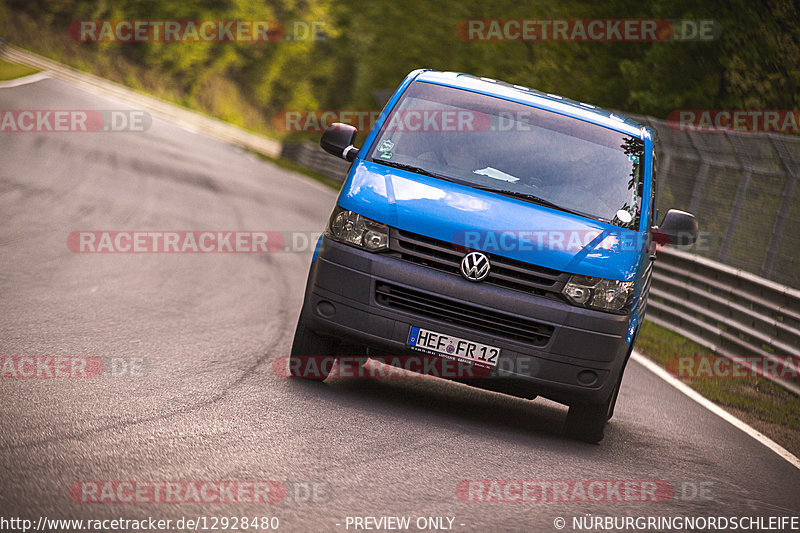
(492, 223)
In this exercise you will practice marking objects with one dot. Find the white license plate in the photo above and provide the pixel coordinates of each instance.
(435, 343)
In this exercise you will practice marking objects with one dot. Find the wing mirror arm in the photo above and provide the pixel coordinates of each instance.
(678, 228)
(338, 140)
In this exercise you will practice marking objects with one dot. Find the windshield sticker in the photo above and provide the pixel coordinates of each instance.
(387, 155)
(386, 146)
(496, 174)
(624, 216)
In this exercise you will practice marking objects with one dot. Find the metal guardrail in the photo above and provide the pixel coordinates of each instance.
(747, 319)
(310, 155)
(743, 188)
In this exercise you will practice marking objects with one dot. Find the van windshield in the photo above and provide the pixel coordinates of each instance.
(514, 149)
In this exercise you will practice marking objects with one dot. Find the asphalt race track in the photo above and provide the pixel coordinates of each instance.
(194, 341)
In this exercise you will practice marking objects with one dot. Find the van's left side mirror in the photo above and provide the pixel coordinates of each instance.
(338, 140)
(678, 228)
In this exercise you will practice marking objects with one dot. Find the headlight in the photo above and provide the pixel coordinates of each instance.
(351, 228)
(599, 293)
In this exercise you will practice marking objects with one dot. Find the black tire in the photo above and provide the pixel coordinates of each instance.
(350, 359)
(587, 423)
(614, 398)
(621, 372)
(312, 356)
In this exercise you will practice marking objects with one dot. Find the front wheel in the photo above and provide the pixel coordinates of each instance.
(614, 397)
(587, 423)
(312, 356)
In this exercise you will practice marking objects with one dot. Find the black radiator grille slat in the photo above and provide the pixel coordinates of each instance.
(505, 272)
(462, 314)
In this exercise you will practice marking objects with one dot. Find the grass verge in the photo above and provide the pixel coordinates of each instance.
(12, 71)
(762, 404)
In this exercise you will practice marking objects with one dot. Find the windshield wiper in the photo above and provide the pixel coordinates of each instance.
(412, 168)
(512, 194)
(533, 199)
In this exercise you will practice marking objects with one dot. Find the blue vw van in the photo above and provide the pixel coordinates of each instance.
(497, 227)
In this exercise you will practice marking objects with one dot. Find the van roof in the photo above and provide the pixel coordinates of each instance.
(535, 98)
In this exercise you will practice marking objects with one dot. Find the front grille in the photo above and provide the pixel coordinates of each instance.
(505, 272)
(462, 314)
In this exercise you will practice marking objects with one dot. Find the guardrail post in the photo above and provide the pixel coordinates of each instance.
(702, 174)
(741, 193)
(792, 173)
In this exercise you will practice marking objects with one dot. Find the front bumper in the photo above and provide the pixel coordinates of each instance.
(580, 362)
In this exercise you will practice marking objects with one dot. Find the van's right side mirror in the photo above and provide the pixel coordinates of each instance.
(338, 140)
(678, 228)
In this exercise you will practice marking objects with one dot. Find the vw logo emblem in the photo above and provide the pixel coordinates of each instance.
(475, 266)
